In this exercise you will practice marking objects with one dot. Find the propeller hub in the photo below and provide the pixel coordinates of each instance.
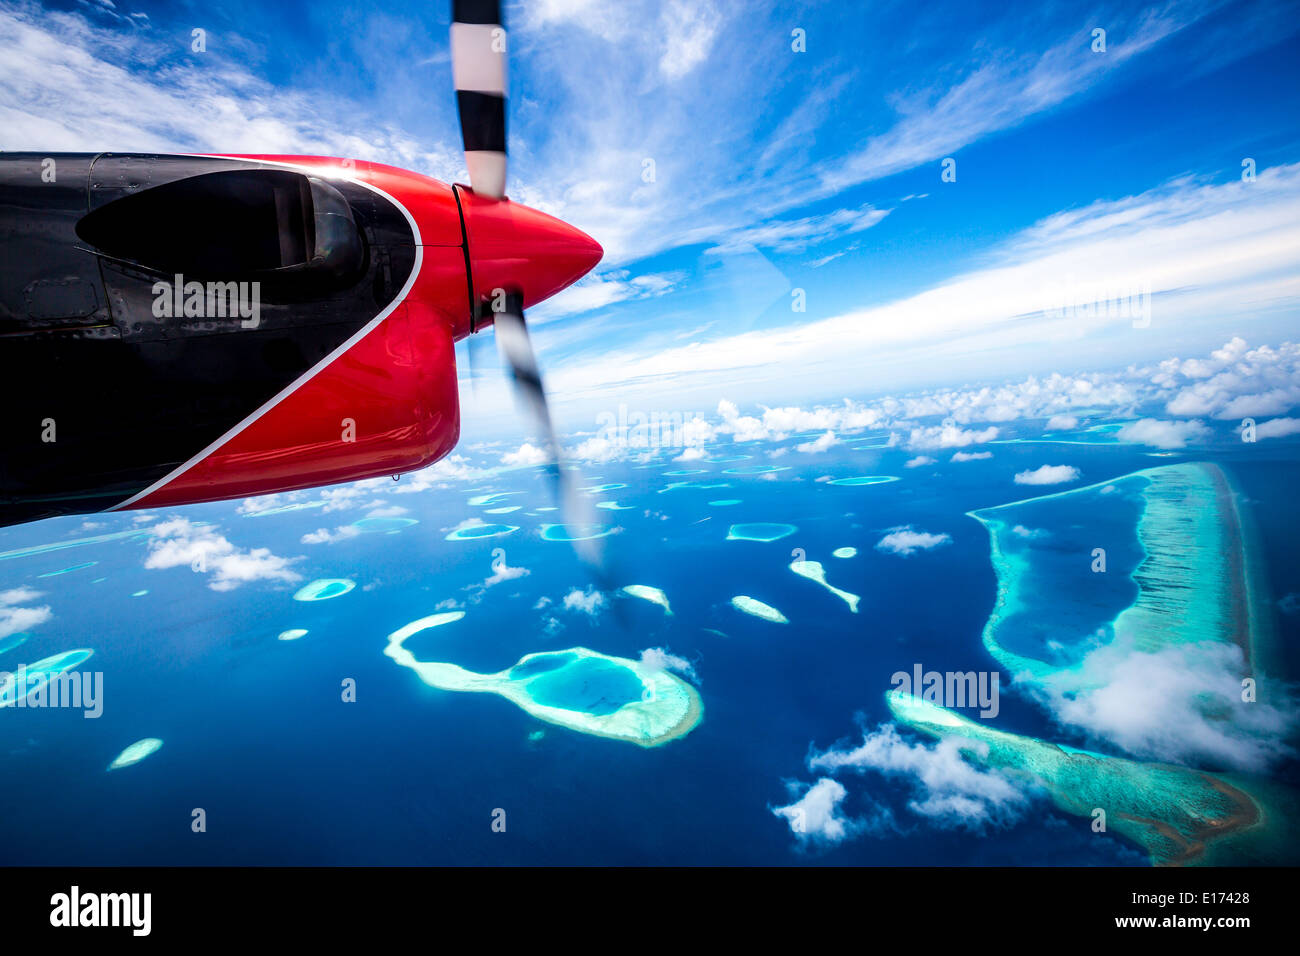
(517, 249)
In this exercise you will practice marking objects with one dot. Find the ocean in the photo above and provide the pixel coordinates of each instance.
(259, 733)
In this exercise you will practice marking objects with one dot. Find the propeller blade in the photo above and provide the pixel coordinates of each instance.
(478, 66)
(576, 509)
(471, 349)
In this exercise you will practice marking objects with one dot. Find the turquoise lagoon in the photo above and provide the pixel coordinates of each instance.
(1175, 570)
(577, 688)
(1178, 572)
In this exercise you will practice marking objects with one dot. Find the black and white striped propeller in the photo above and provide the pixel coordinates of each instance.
(478, 67)
(516, 348)
(478, 62)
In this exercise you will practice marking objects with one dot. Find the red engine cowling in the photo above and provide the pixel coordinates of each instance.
(366, 277)
(384, 402)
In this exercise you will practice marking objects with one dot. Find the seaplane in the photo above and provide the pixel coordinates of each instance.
(189, 328)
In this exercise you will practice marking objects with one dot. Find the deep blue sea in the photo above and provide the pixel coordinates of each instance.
(256, 733)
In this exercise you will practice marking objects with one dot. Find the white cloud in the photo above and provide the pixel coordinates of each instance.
(776, 424)
(831, 257)
(1163, 434)
(438, 475)
(649, 73)
(688, 28)
(1277, 428)
(659, 659)
(590, 602)
(949, 436)
(600, 289)
(1061, 423)
(527, 454)
(592, 15)
(692, 432)
(1235, 382)
(907, 541)
(1047, 475)
(71, 85)
(179, 542)
(630, 78)
(696, 431)
(918, 462)
(14, 617)
(1181, 704)
(346, 497)
(596, 450)
(1170, 239)
(963, 410)
(253, 506)
(1048, 396)
(997, 92)
(821, 443)
(1033, 397)
(949, 790)
(325, 536)
(388, 511)
(503, 572)
(796, 235)
(816, 815)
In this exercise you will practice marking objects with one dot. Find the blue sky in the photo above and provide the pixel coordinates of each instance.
(775, 171)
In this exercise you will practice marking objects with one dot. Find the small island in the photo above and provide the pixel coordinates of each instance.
(760, 531)
(577, 688)
(752, 606)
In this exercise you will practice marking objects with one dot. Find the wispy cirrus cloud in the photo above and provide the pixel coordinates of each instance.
(694, 133)
(71, 83)
(1208, 253)
(796, 235)
(709, 131)
(999, 91)
(597, 95)
(599, 290)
